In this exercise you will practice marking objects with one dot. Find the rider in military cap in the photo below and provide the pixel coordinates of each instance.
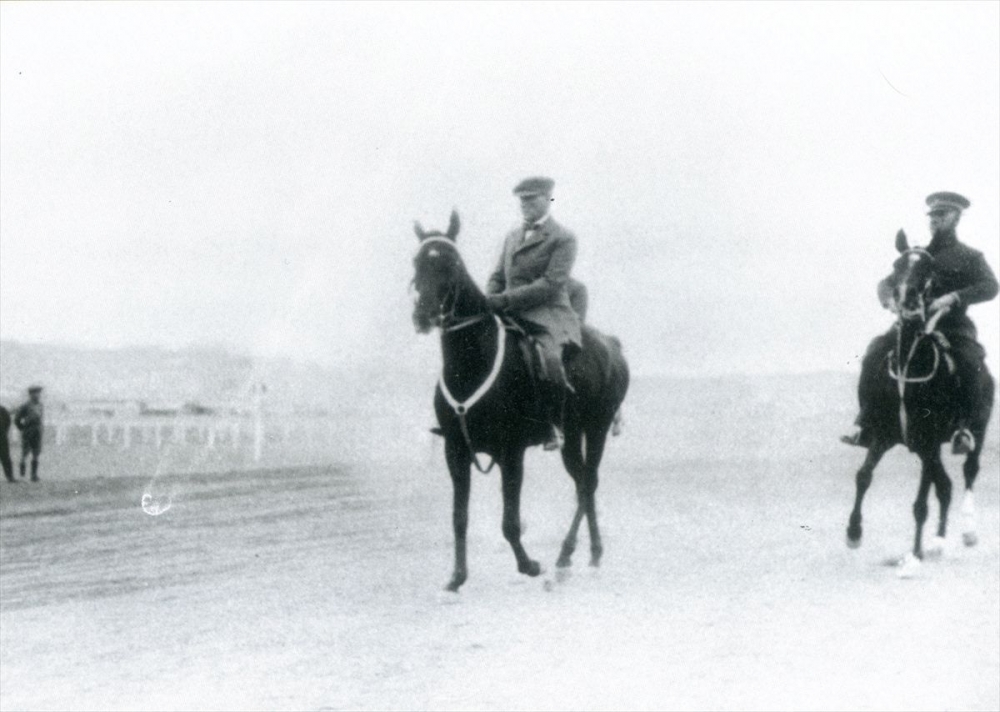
(963, 278)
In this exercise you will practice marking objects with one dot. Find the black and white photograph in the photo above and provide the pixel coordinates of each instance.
(499, 355)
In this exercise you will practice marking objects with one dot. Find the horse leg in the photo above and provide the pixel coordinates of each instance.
(863, 481)
(512, 475)
(927, 474)
(572, 457)
(459, 465)
(942, 488)
(596, 438)
(970, 470)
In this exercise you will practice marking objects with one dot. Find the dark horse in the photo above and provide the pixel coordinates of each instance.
(915, 406)
(486, 399)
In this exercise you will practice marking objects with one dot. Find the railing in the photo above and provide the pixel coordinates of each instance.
(165, 431)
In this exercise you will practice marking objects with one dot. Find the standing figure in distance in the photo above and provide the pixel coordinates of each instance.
(963, 278)
(531, 281)
(8, 467)
(29, 420)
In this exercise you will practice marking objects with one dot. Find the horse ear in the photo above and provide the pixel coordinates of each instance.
(418, 229)
(902, 245)
(453, 225)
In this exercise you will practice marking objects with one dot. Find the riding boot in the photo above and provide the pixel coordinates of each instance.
(21, 467)
(555, 406)
(554, 398)
(969, 366)
(34, 470)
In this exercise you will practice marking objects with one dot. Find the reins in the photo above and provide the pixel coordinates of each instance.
(902, 377)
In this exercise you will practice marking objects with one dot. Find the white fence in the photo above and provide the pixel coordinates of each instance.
(271, 437)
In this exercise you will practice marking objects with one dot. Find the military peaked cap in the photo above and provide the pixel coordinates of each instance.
(947, 201)
(536, 185)
(35, 389)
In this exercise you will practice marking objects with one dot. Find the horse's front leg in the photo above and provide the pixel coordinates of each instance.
(512, 475)
(863, 481)
(920, 504)
(459, 465)
(942, 487)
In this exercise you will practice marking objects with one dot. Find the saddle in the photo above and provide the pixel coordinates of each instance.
(592, 341)
(530, 349)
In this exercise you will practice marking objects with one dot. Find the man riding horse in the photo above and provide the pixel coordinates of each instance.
(962, 278)
(531, 281)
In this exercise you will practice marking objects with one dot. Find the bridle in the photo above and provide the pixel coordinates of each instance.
(449, 323)
(928, 330)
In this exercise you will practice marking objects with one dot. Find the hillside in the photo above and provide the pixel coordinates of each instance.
(158, 375)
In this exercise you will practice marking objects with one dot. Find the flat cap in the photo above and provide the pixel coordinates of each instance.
(35, 388)
(536, 185)
(947, 201)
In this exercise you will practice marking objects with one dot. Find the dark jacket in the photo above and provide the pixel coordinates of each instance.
(960, 269)
(29, 418)
(534, 275)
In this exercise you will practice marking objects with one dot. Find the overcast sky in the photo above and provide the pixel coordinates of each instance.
(247, 174)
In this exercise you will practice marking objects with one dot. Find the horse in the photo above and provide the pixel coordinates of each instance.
(916, 408)
(486, 401)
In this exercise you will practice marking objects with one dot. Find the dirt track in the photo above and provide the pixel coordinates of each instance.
(725, 585)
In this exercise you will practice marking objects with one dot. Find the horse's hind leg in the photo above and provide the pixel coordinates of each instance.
(596, 439)
(970, 468)
(572, 457)
(863, 481)
(459, 465)
(512, 475)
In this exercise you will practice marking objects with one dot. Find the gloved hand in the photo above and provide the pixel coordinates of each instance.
(496, 302)
(944, 302)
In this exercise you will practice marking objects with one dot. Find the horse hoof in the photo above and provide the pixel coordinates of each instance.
(595, 561)
(564, 562)
(532, 568)
(455, 583)
(936, 549)
(853, 543)
(909, 566)
(970, 538)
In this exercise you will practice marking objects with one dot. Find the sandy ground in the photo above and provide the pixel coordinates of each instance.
(726, 583)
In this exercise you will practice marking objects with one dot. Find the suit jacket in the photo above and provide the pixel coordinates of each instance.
(534, 274)
(957, 268)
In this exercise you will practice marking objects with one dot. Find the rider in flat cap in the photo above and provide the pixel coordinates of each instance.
(531, 281)
(963, 278)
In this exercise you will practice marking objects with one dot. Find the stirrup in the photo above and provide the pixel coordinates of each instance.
(963, 442)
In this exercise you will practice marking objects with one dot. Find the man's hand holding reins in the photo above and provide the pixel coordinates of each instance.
(945, 301)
